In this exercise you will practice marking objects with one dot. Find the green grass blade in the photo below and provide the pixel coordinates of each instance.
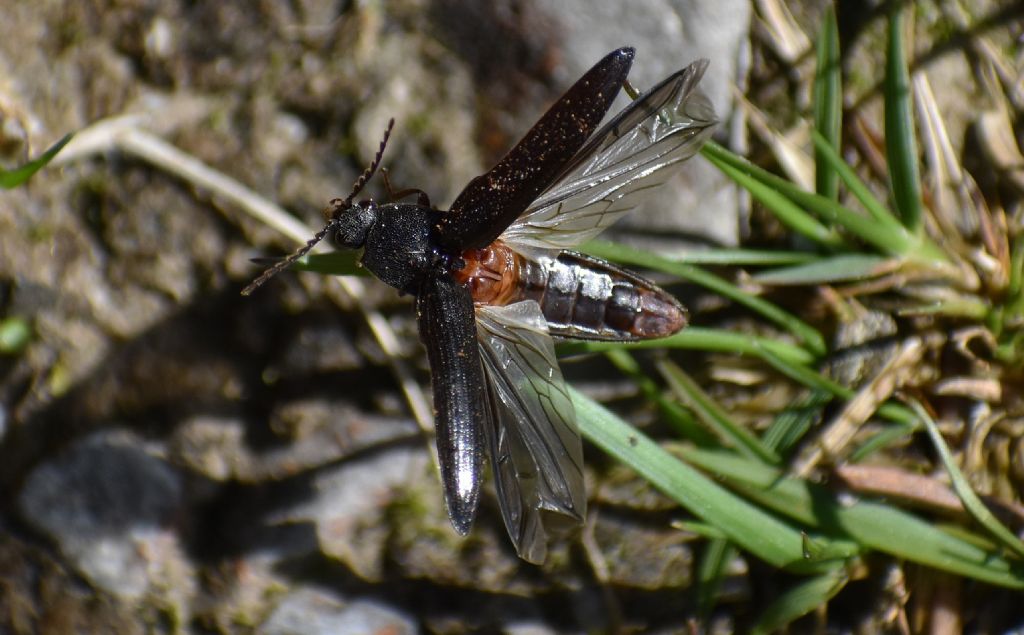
(700, 339)
(711, 573)
(831, 550)
(699, 528)
(714, 416)
(620, 253)
(761, 534)
(13, 178)
(812, 379)
(789, 426)
(773, 198)
(886, 438)
(875, 208)
(900, 140)
(963, 489)
(674, 415)
(1014, 305)
(962, 308)
(843, 268)
(872, 525)
(333, 263)
(1014, 284)
(828, 101)
(880, 228)
(744, 257)
(801, 600)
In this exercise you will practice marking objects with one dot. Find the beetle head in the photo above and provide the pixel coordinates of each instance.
(350, 223)
(351, 226)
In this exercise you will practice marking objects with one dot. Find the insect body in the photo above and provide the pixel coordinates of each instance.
(580, 296)
(494, 281)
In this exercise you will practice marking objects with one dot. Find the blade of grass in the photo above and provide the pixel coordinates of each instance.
(828, 101)
(965, 308)
(800, 600)
(784, 209)
(873, 525)
(886, 438)
(13, 178)
(697, 338)
(875, 208)
(885, 232)
(900, 140)
(882, 230)
(1014, 285)
(743, 257)
(698, 528)
(843, 268)
(963, 489)
(891, 411)
(761, 534)
(675, 415)
(334, 263)
(620, 253)
(714, 416)
(790, 425)
(1014, 313)
(830, 550)
(1011, 349)
(711, 572)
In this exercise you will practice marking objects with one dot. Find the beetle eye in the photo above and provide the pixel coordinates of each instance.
(354, 224)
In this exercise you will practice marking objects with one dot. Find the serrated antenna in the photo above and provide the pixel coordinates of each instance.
(332, 212)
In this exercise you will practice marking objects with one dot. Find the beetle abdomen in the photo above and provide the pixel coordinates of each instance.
(581, 297)
(587, 298)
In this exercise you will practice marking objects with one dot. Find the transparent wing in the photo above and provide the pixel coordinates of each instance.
(661, 128)
(535, 446)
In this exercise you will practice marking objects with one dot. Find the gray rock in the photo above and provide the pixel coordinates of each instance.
(311, 612)
(353, 501)
(668, 35)
(321, 348)
(110, 506)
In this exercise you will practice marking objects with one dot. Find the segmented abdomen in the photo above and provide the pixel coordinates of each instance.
(581, 297)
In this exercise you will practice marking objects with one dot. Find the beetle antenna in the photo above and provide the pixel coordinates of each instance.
(286, 262)
(331, 213)
(339, 206)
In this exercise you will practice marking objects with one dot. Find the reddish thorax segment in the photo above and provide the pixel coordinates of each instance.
(492, 274)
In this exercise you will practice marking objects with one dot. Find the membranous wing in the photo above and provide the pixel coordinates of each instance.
(534, 443)
(661, 128)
